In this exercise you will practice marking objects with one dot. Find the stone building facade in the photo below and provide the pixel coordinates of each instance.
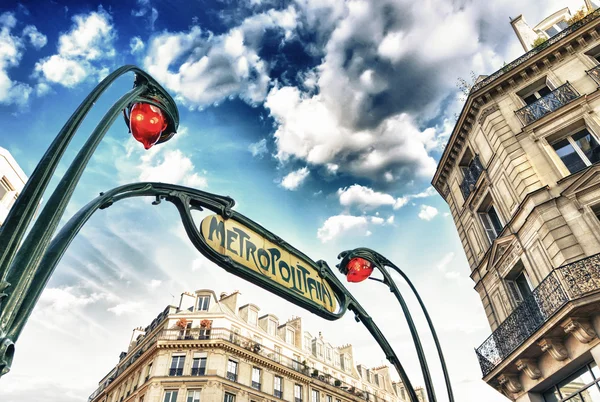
(211, 349)
(521, 176)
(12, 181)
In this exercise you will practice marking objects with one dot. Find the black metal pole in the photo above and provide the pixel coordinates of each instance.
(432, 329)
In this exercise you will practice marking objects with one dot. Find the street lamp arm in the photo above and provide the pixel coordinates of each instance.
(31, 252)
(362, 316)
(23, 210)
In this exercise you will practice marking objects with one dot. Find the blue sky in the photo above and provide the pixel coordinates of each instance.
(324, 120)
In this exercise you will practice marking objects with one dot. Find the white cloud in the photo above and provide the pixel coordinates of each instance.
(81, 51)
(367, 198)
(202, 68)
(258, 149)
(154, 284)
(170, 166)
(295, 179)
(11, 52)
(37, 39)
(427, 212)
(125, 308)
(145, 9)
(136, 45)
(336, 225)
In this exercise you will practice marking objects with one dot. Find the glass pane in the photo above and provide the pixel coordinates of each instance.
(563, 24)
(544, 91)
(588, 144)
(591, 394)
(530, 99)
(495, 220)
(575, 382)
(593, 365)
(567, 154)
(551, 31)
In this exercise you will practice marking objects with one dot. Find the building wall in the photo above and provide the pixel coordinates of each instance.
(12, 181)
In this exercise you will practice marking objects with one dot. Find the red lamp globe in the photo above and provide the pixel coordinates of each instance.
(147, 122)
(359, 269)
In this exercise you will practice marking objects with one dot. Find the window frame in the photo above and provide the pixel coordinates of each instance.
(234, 374)
(256, 384)
(172, 392)
(569, 137)
(203, 303)
(177, 369)
(485, 214)
(231, 399)
(278, 393)
(187, 398)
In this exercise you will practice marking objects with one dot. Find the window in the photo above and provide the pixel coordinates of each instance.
(307, 342)
(520, 287)
(170, 396)
(289, 336)
(5, 188)
(336, 358)
(229, 397)
(252, 317)
(177, 365)
(556, 28)
(531, 96)
(314, 396)
(193, 396)
(329, 398)
(346, 364)
(296, 362)
(271, 327)
(199, 365)
(377, 379)
(256, 378)
(203, 303)
(578, 150)
(232, 367)
(328, 352)
(277, 353)
(277, 387)
(596, 211)
(148, 371)
(579, 386)
(490, 221)
(234, 336)
(297, 393)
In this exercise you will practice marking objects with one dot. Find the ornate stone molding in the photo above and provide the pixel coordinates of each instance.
(486, 112)
(580, 328)
(529, 367)
(555, 347)
(510, 382)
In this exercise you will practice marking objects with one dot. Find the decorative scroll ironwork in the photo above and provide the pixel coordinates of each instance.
(562, 285)
(472, 174)
(549, 103)
(595, 74)
(517, 62)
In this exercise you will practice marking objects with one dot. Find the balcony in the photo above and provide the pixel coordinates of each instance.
(569, 282)
(176, 372)
(231, 376)
(549, 103)
(223, 334)
(198, 370)
(472, 174)
(256, 385)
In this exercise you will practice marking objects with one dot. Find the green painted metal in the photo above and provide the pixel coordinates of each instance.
(380, 262)
(25, 271)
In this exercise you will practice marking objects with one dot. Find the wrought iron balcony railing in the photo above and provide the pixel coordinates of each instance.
(256, 385)
(198, 370)
(569, 282)
(472, 174)
(595, 74)
(176, 372)
(231, 376)
(549, 103)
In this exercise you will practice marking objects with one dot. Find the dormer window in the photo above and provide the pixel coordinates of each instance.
(290, 335)
(203, 303)
(252, 317)
(271, 327)
(556, 28)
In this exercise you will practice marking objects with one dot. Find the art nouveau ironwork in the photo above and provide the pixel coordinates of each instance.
(549, 103)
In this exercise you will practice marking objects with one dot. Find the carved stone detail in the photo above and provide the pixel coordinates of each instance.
(557, 55)
(594, 34)
(555, 347)
(510, 382)
(535, 69)
(486, 112)
(580, 328)
(529, 367)
(581, 41)
(570, 49)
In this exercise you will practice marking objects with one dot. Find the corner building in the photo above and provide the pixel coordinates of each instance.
(209, 349)
(521, 176)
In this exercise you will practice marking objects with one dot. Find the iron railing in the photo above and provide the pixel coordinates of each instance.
(549, 103)
(562, 285)
(249, 344)
(472, 174)
(517, 62)
(595, 74)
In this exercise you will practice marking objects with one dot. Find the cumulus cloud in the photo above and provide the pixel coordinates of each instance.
(337, 225)
(367, 198)
(81, 51)
(295, 179)
(125, 308)
(154, 284)
(11, 52)
(171, 166)
(202, 68)
(37, 39)
(427, 212)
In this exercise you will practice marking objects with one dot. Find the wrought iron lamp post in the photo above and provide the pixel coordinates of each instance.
(152, 117)
(358, 265)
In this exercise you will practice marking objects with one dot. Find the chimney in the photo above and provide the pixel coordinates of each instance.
(230, 300)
